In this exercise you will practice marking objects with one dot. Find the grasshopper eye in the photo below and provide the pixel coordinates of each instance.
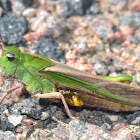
(10, 56)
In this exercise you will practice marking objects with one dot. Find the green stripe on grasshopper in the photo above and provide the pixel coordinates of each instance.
(123, 79)
(62, 80)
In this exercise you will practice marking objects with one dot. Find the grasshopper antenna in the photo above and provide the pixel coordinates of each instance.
(2, 44)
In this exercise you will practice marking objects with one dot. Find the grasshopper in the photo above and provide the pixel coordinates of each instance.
(74, 87)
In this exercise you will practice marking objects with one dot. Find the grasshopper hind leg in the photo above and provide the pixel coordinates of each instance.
(58, 95)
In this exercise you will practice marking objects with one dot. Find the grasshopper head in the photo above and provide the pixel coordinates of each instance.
(9, 60)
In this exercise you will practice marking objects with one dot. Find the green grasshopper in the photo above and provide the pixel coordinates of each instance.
(74, 87)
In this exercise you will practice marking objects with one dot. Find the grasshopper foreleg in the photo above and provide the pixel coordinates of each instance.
(8, 91)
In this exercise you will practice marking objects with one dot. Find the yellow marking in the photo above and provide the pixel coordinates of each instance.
(73, 99)
(77, 101)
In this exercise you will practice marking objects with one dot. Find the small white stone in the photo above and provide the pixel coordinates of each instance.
(6, 112)
(30, 12)
(113, 118)
(136, 121)
(44, 116)
(15, 119)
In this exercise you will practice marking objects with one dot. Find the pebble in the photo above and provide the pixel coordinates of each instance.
(7, 135)
(31, 36)
(132, 19)
(135, 130)
(121, 134)
(3, 108)
(126, 31)
(80, 130)
(138, 77)
(102, 27)
(113, 118)
(45, 115)
(19, 6)
(19, 136)
(12, 28)
(81, 48)
(33, 113)
(135, 6)
(136, 121)
(74, 7)
(41, 134)
(46, 24)
(1, 12)
(49, 48)
(93, 10)
(29, 12)
(28, 122)
(70, 56)
(27, 103)
(26, 107)
(93, 117)
(138, 55)
(119, 36)
(134, 118)
(101, 69)
(50, 29)
(78, 127)
(15, 119)
(105, 33)
(6, 6)
(5, 124)
(78, 64)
